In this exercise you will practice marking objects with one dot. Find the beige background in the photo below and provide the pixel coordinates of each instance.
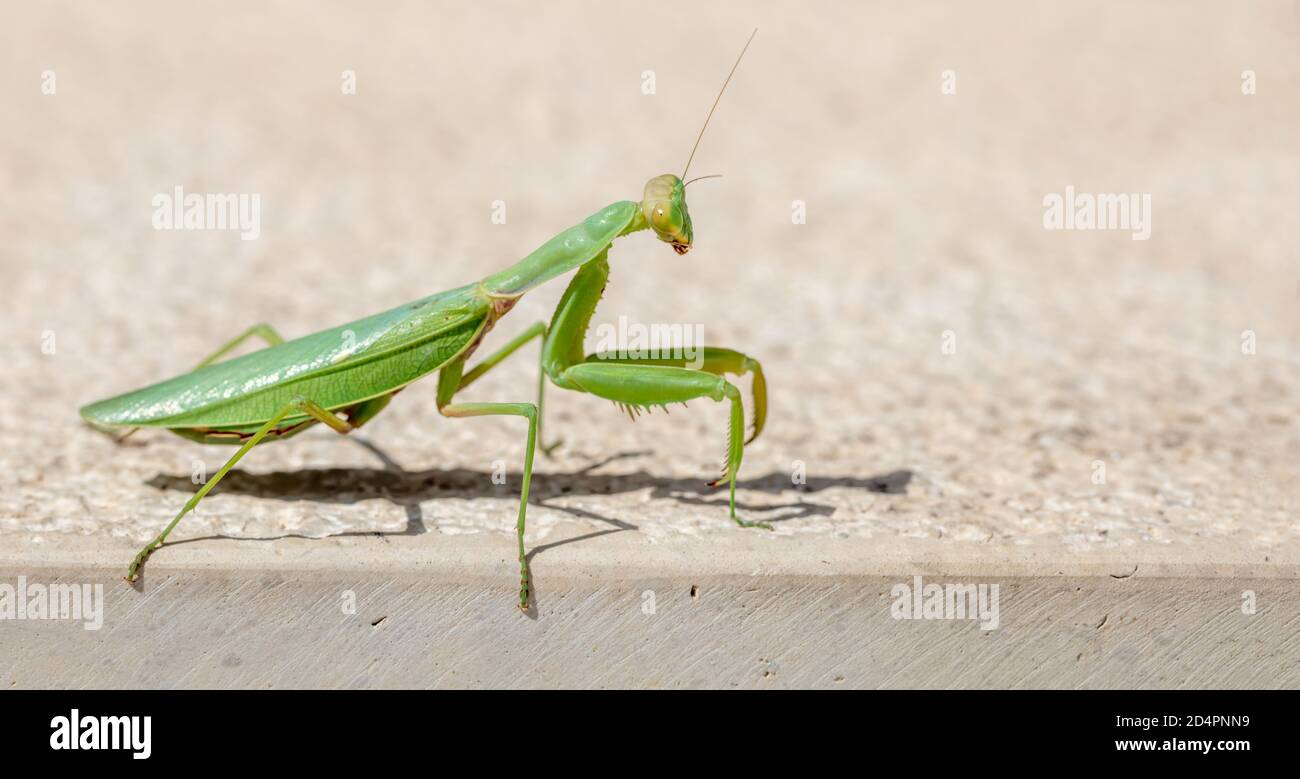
(924, 215)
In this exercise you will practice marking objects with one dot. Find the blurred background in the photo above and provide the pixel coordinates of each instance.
(920, 140)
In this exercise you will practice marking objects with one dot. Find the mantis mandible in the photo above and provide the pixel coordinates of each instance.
(343, 377)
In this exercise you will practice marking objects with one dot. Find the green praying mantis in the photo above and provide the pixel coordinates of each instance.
(343, 377)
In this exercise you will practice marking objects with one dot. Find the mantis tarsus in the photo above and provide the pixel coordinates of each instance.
(345, 376)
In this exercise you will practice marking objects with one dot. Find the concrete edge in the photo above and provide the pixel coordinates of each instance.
(626, 555)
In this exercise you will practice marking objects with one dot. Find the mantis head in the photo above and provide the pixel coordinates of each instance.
(664, 203)
(664, 208)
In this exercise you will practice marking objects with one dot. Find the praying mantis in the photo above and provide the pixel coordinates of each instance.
(344, 376)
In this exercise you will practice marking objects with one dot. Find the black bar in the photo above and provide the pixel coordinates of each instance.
(327, 728)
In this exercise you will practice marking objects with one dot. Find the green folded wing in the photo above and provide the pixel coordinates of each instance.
(335, 368)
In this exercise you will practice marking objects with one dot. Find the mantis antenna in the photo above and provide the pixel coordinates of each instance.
(697, 178)
(700, 137)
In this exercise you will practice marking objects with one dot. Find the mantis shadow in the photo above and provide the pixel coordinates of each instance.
(409, 489)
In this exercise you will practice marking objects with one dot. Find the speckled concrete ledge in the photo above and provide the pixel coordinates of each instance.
(619, 611)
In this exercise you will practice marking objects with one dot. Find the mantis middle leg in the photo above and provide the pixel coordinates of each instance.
(537, 330)
(450, 380)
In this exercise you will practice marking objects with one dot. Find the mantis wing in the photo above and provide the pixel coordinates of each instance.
(336, 368)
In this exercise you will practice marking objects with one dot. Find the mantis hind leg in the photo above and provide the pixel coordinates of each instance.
(261, 330)
(637, 387)
(449, 382)
(298, 405)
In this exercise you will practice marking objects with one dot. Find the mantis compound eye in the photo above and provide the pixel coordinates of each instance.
(661, 218)
(664, 207)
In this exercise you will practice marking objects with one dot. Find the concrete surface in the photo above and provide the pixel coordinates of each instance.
(1074, 351)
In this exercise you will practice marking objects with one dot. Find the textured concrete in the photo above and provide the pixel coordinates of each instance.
(418, 611)
(1077, 354)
